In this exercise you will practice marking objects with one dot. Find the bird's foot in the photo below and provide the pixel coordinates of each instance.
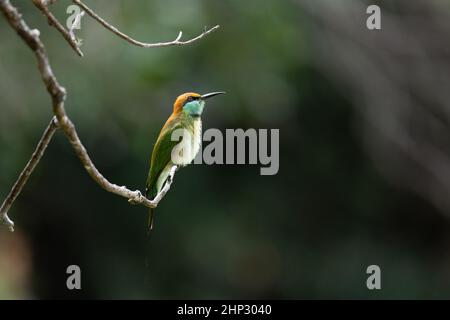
(136, 199)
(171, 174)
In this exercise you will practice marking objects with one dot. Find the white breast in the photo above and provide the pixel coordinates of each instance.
(197, 139)
(187, 149)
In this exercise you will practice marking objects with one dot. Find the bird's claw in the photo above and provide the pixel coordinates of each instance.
(136, 199)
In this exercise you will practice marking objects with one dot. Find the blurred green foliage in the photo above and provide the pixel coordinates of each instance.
(308, 232)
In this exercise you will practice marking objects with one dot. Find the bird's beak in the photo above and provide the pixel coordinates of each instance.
(212, 94)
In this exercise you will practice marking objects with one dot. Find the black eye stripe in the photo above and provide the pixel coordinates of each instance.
(191, 98)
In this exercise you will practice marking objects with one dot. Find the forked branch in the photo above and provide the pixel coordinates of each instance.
(69, 35)
(42, 5)
(176, 42)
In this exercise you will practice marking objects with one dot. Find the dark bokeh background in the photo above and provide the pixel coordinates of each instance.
(364, 125)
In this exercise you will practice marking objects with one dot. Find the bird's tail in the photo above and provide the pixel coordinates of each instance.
(151, 218)
(151, 194)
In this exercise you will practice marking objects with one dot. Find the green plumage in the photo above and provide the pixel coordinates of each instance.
(161, 160)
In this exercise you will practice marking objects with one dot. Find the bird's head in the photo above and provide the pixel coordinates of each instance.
(192, 103)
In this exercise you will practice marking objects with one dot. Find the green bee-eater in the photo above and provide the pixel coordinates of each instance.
(185, 122)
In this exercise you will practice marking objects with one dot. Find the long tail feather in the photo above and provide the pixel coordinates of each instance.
(151, 219)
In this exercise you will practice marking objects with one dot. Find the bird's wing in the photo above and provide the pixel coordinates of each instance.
(161, 156)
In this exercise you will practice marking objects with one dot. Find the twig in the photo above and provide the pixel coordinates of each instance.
(58, 95)
(113, 29)
(26, 172)
(42, 5)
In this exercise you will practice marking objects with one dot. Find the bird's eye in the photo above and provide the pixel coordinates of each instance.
(189, 99)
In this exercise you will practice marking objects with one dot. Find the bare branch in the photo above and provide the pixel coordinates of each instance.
(61, 120)
(42, 5)
(113, 29)
(26, 172)
(136, 196)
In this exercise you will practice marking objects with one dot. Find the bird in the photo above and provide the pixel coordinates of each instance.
(185, 122)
